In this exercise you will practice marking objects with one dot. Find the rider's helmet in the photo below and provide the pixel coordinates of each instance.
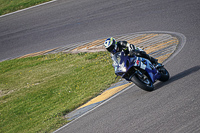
(111, 45)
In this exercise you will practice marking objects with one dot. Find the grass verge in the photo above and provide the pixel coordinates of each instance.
(7, 6)
(36, 92)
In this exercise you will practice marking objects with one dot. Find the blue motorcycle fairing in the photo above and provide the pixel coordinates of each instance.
(135, 61)
(151, 70)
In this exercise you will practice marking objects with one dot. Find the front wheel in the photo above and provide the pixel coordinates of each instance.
(143, 82)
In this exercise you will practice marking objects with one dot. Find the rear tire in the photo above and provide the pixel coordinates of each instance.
(146, 84)
(164, 74)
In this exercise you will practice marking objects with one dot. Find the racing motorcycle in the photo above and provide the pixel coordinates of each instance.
(139, 71)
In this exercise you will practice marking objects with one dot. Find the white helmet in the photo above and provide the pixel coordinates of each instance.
(111, 45)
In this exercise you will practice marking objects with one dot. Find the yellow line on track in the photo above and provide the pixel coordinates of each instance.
(105, 95)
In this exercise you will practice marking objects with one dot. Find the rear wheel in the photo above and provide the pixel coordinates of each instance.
(143, 82)
(164, 74)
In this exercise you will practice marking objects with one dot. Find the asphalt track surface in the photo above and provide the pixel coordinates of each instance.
(173, 107)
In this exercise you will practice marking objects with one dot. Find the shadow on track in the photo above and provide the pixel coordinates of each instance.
(177, 77)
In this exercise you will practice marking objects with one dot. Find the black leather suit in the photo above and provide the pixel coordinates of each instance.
(130, 50)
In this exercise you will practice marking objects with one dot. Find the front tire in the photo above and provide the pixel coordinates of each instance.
(143, 83)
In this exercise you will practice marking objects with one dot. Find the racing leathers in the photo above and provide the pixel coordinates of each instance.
(130, 50)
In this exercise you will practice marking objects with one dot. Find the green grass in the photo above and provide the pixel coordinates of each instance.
(36, 92)
(7, 6)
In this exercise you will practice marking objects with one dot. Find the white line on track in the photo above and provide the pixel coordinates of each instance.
(96, 107)
(28, 8)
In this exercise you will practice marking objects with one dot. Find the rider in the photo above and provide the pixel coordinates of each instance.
(129, 49)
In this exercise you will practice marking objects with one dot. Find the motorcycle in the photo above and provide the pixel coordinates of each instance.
(139, 71)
